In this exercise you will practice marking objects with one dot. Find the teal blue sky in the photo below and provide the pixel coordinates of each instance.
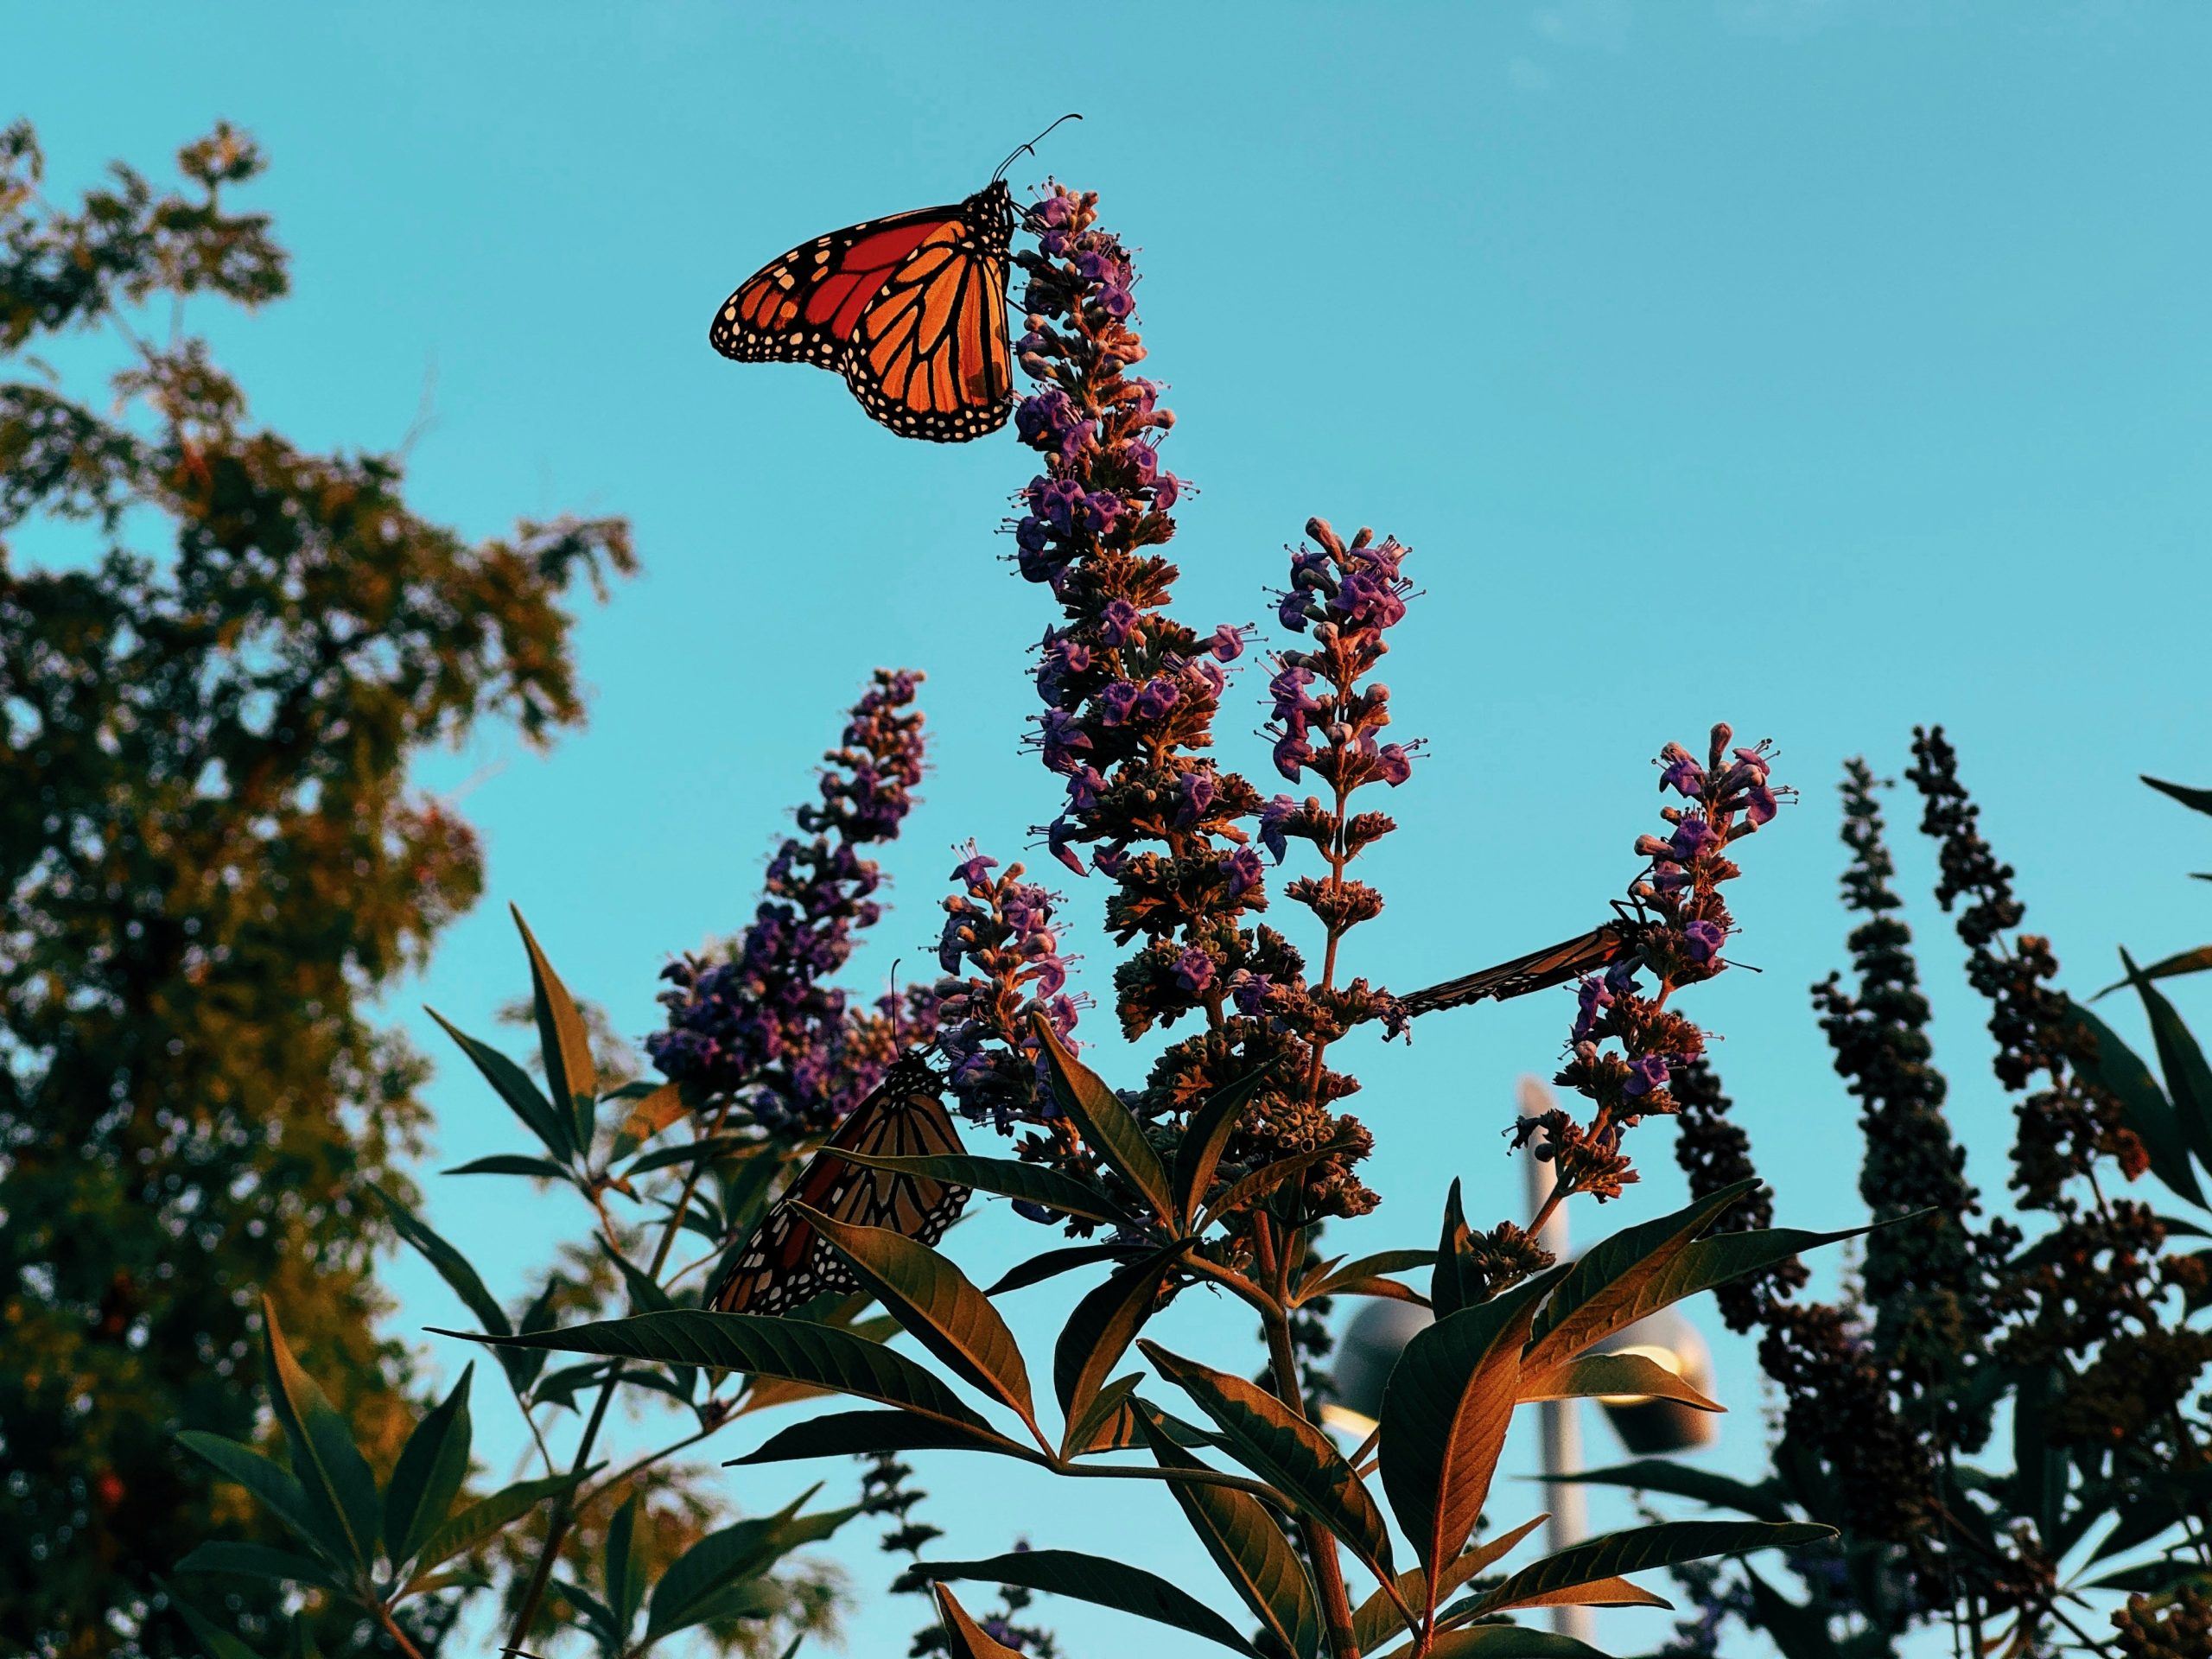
(1822, 365)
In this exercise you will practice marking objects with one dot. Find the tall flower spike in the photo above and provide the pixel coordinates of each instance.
(763, 1025)
(1130, 696)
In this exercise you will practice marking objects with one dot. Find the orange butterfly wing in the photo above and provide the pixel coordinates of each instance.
(785, 1263)
(911, 310)
(1585, 953)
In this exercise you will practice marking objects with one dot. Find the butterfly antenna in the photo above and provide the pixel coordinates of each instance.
(1030, 149)
(895, 960)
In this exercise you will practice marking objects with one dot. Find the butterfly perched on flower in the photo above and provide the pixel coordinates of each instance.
(1586, 953)
(786, 1262)
(910, 310)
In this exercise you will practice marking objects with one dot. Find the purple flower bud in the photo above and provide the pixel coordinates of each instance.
(1115, 702)
(974, 871)
(1194, 970)
(1117, 623)
(1029, 535)
(1166, 490)
(1704, 940)
(1116, 300)
(1158, 697)
(1291, 752)
(1645, 1073)
(1682, 775)
(1759, 803)
(1110, 862)
(1054, 211)
(1228, 644)
(1245, 872)
(1292, 611)
(1085, 785)
(1394, 766)
(1194, 793)
(1058, 835)
(1100, 508)
(1060, 739)
(1694, 836)
(1250, 990)
(1272, 818)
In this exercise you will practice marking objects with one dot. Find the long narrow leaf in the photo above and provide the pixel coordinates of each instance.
(2173, 967)
(490, 1516)
(270, 1484)
(2101, 1057)
(697, 1584)
(1340, 1279)
(1249, 1189)
(793, 1349)
(859, 1434)
(219, 1642)
(1445, 1412)
(1053, 1264)
(1637, 1549)
(1762, 1502)
(1374, 1620)
(1503, 1642)
(2189, 1080)
(512, 1163)
(1099, 1332)
(1594, 1299)
(562, 1043)
(967, 1639)
(1204, 1137)
(935, 1303)
(342, 1491)
(1630, 1375)
(625, 1572)
(1107, 1127)
(1246, 1544)
(1291, 1455)
(2199, 800)
(648, 1115)
(555, 1130)
(432, 1467)
(1092, 1579)
(259, 1561)
(452, 1266)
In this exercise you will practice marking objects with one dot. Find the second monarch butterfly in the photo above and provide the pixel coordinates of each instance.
(785, 1263)
(910, 310)
(1585, 953)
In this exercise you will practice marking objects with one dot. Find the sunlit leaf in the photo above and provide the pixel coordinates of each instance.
(859, 1434)
(1376, 1618)
(966, 1638)
(1101, 1328)
(1246, 1544)
(1458, 1282)
(935, 1303)
(340, 1489)
(1007, 1178)
(1631, 1375)
(432, 1467)
(648, 1115)
(1345, 1279)
(1107, 1423)
(1204, 1136)
(2186, 961)
(554, 1130)
(1294, 1457)
(1636, 1550)
(1594, 1593)
(817, 1355)
(1092, 1579)
(562, 1042)
(691, 1151)
(1503, 1642)
(1249, 1189)
(1051, 1264)
(1107, 1127)
(1445, 1412)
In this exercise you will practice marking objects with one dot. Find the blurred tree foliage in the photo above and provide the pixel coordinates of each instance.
(214, 865)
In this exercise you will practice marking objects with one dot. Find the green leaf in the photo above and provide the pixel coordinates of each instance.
(560, 1386)
(2101, 1056)
(1377, 1617)
(2189, 1080)
(1107, 1423)
(219, 1642)
(276, 1489)
(625, 1574)
(792, 1349)
(1799, 1631)
(1008, 1179)
(1346, 1279)
(967, 1639)
(1246, 1544)
(593, 1614)
(1681, 1480)
(1445, 1412)
(453, 1267)
(1107, 1126)
(935, 1303)
(1595, 1592)
(2199, 800)
(488, 1516)
(1263, 1180)
(690, 1152)
(512, 1163)
(697, 1584)
(1102, 1583)
(1099, 1332)
(432, 1467)
(513, 1085)
(341, 1491)
(1635, 1375)
(259, 1561)
(1291, 1455)
(1051, 1264)
(1204, 1136)
(858, 1433)
(1637, 1549)
(562, 1042)
(1603, 1289)
(2186, 961)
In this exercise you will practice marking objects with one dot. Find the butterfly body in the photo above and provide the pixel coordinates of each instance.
(1586, 953)
(910, 310)
(785, 1263)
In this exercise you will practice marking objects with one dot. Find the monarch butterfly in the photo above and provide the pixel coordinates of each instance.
(910, 310)
(786, 1262)
(1585, 953)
